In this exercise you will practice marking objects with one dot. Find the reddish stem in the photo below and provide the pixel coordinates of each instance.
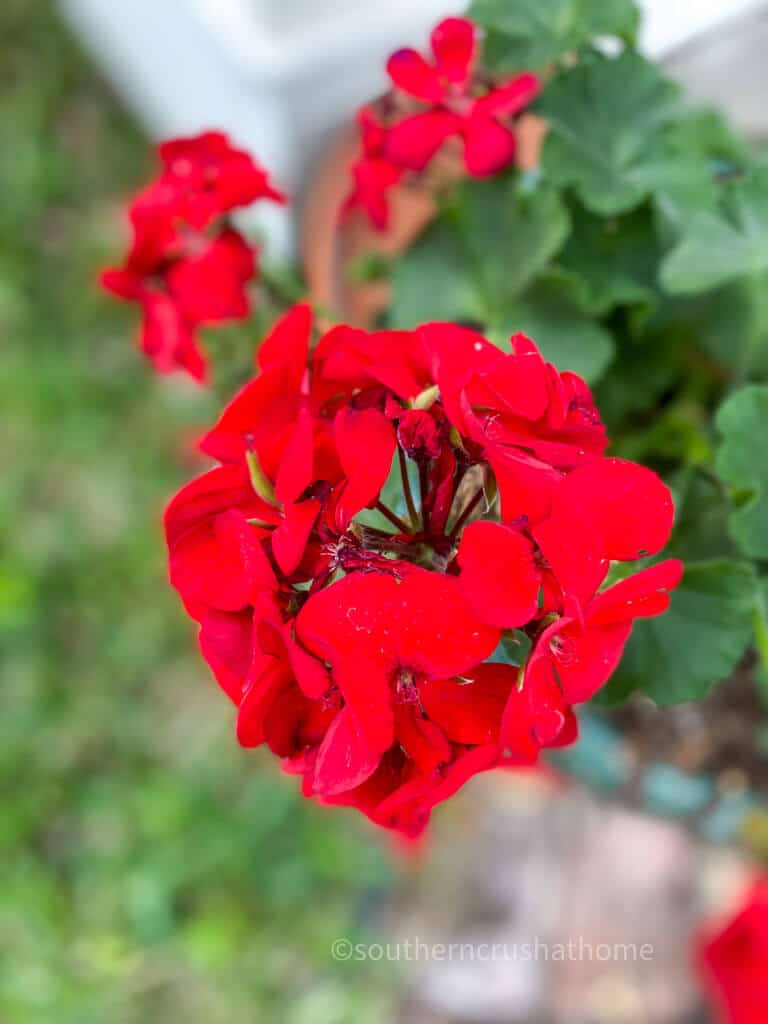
(468, 510)
(390, 515)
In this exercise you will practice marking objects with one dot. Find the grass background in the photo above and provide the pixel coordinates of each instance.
(151, 870)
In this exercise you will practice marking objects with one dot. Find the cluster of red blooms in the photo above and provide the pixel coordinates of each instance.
(187, 266)
(431, 103)
(368, 654)
(733, 961)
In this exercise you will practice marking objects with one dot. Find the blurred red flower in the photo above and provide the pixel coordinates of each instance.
(187, 266)
(733, 961)
(448, 97)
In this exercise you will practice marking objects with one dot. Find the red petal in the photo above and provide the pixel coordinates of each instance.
(470, 710)
(596, 653)
(373, 178)
(573, 550)
(283, 721)
(499, 574)
(488, 146)
(123, 283)
(454, 43)
(627, 504)
(414, 141)
(219, 562)
(265, 412)
(272, 679)
(569, 732)
(454, 355)
(286, 347)
(366, 443)
(422, 740)
(168, 340)
(367, 730)
(312, 676)
(640, 596)
(526, 485)
(518, 384)
(353, 614)
(518, 741)
(297, 460)
(435, 629)
(536, 713)
(290, 538)
(578, 661)
(344, 759)
(413, 74)
(214, 492)
(510, 98)
(210, 288)
(226, 641)
(408, 807)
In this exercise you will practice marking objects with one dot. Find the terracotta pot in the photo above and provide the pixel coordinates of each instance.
(330, 248)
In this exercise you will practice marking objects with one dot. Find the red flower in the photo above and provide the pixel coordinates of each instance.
(462, 103)
(572, 659)
(386, 642)
(373, 175)
(450, 88)
(361, 650)
(210, 177)
(733, 961)
(185, 270)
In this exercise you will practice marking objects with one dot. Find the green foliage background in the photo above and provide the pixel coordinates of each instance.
(151, 870)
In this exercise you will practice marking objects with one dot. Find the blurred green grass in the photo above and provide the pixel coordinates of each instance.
(151, 870)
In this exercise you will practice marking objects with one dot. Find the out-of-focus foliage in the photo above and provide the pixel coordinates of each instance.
(151, 870)
(636, 255)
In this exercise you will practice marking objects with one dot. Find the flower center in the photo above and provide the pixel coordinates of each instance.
(563, 649)
(406, 690)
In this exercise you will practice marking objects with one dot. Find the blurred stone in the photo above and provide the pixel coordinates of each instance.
(525, 862)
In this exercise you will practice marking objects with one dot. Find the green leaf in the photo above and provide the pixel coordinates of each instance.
(485, 249)
(432, 281)
(707, 136)
(723, 244)
(643, 370)
(741, 461)
(612, 261)
(509, 236)
(701, 516)
(607, 131)
(708, 153)
(513, 649)
(678, 656)
(487, 260)
(567, 337)
(532, 33)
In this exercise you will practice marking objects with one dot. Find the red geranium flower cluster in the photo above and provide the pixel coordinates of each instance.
(363, 637)
(462, 102)
(187, 266)
(734, 959)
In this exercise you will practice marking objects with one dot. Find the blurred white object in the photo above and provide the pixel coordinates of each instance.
(672, 23)
(281, 75)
